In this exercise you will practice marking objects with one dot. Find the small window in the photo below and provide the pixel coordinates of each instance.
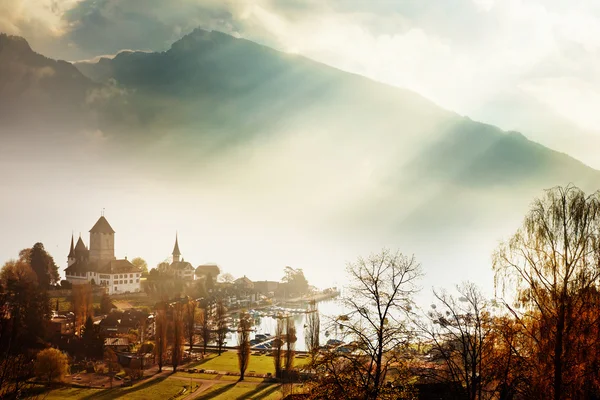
(137, 281)
(115, 288)
(131, 281)
(131, 275)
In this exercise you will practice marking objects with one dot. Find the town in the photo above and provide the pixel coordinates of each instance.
(114, 323)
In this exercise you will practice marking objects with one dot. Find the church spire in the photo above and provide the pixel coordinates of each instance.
(72, 250)
(176, 252)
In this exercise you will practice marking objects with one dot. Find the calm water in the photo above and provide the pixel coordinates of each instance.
(327, 309)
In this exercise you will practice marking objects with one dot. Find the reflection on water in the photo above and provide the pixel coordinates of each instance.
(266, 324)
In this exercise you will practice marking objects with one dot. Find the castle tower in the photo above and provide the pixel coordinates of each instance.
(71, 256)
(176, 252)
(102, 241)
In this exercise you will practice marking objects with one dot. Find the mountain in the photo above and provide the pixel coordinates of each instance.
(214, 85)
(36, 89)
(284, 139)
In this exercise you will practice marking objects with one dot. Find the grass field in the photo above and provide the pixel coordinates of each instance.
(228, 361)
(240, 391)
(160, 388)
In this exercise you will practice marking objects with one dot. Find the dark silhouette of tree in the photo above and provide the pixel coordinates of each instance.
(191, 317)
(278, 347)
(177, 334)
(92, 339)
(221, 317)
(160, 334)
(42, 264)
(551, 266)
(244, 328)
(204, 322)
(290, 345)
(106, 304)
(27, 305)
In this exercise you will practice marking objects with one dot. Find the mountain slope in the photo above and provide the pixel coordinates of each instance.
(211, 93)
(35, 88)
(209, 83)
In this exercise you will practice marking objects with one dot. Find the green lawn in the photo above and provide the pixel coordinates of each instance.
(242, 391)
(228, 361)
(160, 388)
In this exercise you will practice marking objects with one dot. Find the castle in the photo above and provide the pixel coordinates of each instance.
(98, 264)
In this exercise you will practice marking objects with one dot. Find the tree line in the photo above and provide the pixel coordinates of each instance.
(539, 338)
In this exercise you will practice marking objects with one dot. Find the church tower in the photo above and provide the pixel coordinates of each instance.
(176, 252)
(102, 241)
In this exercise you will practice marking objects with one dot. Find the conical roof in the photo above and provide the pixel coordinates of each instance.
(80, 246)
(102, 226)
(72, 250)
(176, 251)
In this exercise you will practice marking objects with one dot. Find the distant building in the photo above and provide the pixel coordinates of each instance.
(181, 269)
(243, 283)
(61, 325)
(266, 287)
(207, 270)
(98, 263)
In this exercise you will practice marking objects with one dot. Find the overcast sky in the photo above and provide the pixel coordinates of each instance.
(528, 65)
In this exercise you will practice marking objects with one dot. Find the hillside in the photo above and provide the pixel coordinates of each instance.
(280, 126)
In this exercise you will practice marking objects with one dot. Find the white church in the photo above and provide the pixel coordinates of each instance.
(98, 264)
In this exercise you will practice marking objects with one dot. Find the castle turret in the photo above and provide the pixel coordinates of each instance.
(176, 252)
(71, 256)
(102, 241)
(81, 252)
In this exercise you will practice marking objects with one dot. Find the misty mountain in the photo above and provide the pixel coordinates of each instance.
(211, 92)
(31, 85)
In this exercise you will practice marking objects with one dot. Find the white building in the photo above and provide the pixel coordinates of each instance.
(98, 265)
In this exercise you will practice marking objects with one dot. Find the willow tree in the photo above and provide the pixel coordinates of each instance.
(551, 268)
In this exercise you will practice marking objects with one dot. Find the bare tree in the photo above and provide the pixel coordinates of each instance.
(460, 330)
(551, 268)
(221, 325)
(379, 302)
(191, 317)
(312, 329)
(244, 329)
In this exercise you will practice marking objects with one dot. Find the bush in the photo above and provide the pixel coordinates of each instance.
(51, 365)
